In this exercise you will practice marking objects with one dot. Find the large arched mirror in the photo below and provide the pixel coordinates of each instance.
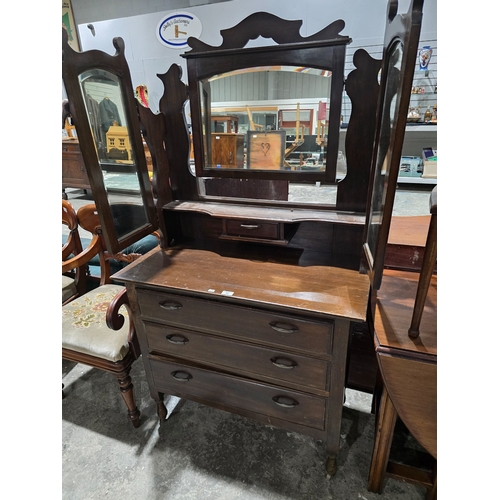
(103, 108)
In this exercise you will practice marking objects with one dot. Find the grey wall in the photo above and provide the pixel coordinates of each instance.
(89, 11)
(147, 57)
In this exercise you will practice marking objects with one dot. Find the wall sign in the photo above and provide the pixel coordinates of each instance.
(174, 29)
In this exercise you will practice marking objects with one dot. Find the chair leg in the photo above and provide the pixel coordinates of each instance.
(432, 492)
(384, 430)
(127, 392)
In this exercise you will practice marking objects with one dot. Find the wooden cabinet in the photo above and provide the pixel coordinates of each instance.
(240, 336)
(227, 150)
(74, 173)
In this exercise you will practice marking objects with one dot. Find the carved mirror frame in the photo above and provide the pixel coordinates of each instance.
(324, 50)
(400, 50)
(74, 65)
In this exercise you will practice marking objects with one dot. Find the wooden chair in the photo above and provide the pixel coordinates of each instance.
(73, 280)
(97, 329)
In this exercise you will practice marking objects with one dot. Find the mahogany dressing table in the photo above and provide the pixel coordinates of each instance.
(252, 303)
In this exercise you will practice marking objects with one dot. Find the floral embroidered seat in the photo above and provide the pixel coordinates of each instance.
(97, 329)
(84, 325)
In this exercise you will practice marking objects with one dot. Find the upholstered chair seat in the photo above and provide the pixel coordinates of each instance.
(84, 325)
(68, 288)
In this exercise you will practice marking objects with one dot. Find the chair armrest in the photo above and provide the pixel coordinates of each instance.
(115, 321)
(95, 246)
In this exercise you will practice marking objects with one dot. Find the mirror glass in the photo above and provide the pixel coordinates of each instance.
(103, 98)
(383, 154)
(266, 118)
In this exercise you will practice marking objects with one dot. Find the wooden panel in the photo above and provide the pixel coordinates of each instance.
(409, 230)
(246, 188)
(327, 291)
(266, 150)
(412, 387)
(238, 322)
(239, 393)
(406, 243)
(247, 358)
(362, 367)
(394, 309)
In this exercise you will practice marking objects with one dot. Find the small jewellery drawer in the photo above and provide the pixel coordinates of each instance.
(248, 358)
(291, 332)
(219, 388)
(254, 229)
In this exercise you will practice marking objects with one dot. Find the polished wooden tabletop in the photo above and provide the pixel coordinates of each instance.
(324, 290)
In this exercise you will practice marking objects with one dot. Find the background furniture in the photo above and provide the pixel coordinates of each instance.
(227, 150)
(96, 327)
(74, 173)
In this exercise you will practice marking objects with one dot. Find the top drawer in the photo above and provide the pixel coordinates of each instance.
(254, 229)
(245, 323)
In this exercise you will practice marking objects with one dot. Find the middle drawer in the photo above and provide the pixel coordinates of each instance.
(261, 361)
(290, 332)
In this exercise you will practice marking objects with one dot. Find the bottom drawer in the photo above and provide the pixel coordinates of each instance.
(291, 406)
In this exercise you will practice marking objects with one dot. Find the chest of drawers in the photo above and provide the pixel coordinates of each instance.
(264, 340)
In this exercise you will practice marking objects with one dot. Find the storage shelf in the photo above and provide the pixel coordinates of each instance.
(416, 180)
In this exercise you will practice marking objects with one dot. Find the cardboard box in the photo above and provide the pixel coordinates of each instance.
(430, 170)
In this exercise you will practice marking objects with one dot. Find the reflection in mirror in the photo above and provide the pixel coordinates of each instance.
(103, 100)
(383, 157)
(266, 118)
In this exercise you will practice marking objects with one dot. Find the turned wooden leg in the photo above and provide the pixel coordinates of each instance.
(127, 392)
(384, 431)
(161, 409)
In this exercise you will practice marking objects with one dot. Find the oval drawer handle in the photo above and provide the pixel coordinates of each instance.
(283, 327)
(250, 226)
(287, 364)
(285, 401)
(181, 376)
(170, 305)
(176, 338)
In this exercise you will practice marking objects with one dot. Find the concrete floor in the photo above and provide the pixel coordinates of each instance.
(203, 453)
